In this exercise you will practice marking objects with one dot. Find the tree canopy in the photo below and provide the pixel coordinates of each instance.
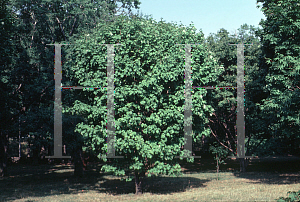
(149, 93)
(28, 62)
(280, 60)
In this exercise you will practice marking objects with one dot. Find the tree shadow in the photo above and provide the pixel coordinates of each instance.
(208, 165)
(154, 185)
(47, 180)
(264, 170)
(273, 170)
(44, 180)
(167, 185)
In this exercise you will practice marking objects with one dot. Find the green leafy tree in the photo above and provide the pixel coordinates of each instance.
(149, 94)
(271, 81)
(7, 89)
(280, 58)
(39, 23)
(223, 121)
(221, 155)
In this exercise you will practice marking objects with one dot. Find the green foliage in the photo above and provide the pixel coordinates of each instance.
(223, 120)
(149, 92)
(292, 197)
(7, 51)
(149, 85)
(280, 59)
(26, 28)
(220, 154)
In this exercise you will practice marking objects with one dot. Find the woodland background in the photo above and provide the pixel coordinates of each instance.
(27, 95)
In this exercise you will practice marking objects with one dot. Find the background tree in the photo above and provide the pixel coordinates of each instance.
(280, 59)
(6, 51)
(39, 23)
(149, 94)
(223, 121)
(266, 120)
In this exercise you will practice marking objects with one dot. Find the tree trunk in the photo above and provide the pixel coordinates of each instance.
(35, 156)
(3, 154)
(19, 139)
(217, 167)
(78, 162)
(243, 164)
(138, 182)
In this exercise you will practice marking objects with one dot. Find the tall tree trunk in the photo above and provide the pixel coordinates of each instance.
(139, 182)
(3, 154)
(78, 162)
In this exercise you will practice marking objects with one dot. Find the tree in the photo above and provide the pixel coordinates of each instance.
(7, 51)
(280, 58)
(39, 23)
(223, 121)
(149, 94)
(266, 131)
(221, 155)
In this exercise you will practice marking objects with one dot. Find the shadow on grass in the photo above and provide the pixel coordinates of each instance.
(208, 165)
(47, 180)
(273, 170)
(264, 170)
(154, 185)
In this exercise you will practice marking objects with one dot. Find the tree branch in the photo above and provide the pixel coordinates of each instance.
(257, 145)
(71, 33)
(219, 140)
(248, 142)
(17, 89)
(61, 28)
(225, 129)
(32, 16)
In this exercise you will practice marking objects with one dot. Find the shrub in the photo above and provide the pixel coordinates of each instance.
(221, 154)
(293, 197)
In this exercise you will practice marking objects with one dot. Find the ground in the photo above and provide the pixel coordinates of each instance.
(267, 179)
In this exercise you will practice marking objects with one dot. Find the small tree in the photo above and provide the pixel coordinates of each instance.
(149, 94)
(221, 154)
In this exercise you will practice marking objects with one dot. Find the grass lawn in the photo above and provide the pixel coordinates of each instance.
(267, 179)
